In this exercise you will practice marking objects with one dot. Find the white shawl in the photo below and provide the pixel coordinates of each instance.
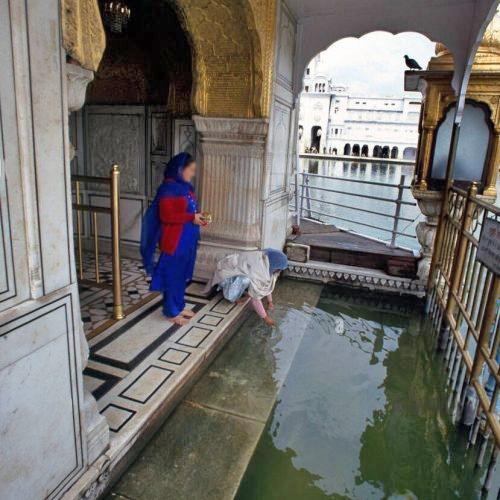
(254, 265)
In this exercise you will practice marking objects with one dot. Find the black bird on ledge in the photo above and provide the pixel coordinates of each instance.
(411, 63)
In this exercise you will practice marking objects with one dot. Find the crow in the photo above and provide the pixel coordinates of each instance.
(411, 63)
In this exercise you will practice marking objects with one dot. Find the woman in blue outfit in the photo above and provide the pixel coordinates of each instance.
(172, 224)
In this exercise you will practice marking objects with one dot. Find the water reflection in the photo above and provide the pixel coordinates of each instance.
(362, 413)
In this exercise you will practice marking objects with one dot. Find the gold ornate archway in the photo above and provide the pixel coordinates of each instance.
(232, 53)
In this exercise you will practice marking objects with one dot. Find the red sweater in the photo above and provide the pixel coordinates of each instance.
(173, 215)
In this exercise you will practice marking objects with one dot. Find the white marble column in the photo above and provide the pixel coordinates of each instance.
(231, 169)
(429, 203)
(96, 426)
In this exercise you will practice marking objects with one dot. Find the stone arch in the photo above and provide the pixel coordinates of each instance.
(222, 30)
(218, 31)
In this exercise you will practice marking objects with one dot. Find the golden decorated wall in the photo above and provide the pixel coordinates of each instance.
(232, 43)
(483, 88)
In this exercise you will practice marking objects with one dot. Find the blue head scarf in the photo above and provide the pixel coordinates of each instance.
(151, 223)
(174, 168)
(278, 261)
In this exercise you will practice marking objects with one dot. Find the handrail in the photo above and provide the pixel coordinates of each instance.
(303, 197)
(337, 178)
(463, 306)
(114, 212)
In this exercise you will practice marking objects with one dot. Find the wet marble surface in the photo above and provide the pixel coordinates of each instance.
(203, 449)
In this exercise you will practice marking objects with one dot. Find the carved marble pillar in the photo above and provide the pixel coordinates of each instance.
(231, 167)
(96, 426)
(429, 203)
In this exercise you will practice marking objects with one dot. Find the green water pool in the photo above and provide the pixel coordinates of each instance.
(362, 413)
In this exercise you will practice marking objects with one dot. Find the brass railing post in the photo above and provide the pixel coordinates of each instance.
(437, 251)
(79, 229)
(488, 319)
(115, 238)
(461, 249)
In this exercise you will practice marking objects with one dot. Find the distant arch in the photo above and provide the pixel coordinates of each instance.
(377, 151)
(364, 150)
(409, 153)
(347, 150)
(394, 152)
(315, 137)
(355, 150)
(385, 152)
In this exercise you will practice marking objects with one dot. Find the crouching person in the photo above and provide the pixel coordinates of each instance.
(253, 273)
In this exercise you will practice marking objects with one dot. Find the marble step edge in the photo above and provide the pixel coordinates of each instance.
(100, 476)
(359, 277)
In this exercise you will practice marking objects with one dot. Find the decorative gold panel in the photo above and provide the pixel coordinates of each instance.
(232, 55)
(232, 43)
(83, 32)
(484, 87)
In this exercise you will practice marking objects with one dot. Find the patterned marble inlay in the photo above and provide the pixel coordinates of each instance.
(136, 363)
(96, 304)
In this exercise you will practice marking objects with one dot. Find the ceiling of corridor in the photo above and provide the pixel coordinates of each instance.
(458, 24)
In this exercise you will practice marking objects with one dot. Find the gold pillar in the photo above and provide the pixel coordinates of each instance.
(115, 229)
(490, 184)
(427, 141)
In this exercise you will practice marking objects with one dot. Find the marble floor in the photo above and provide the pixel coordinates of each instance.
(96, 303)
(203, 449)
(138, 364)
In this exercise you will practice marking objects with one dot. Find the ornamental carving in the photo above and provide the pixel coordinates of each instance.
(83, 33)
(232, 43)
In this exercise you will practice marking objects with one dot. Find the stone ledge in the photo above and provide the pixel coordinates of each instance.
(252, 129)
(358, 277)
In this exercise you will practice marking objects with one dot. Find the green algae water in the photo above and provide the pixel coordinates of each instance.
(363, 412)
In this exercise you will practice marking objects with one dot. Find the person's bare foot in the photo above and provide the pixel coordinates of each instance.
(243, 299)
(179, 320)
(187, 313)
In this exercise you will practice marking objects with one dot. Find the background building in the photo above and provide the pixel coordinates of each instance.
(333, 121)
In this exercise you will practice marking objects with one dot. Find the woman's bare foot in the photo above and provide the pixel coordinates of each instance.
(179, 320)
(187, 313)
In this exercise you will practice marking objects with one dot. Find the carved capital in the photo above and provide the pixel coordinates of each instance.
(77, 79)
(249, 130)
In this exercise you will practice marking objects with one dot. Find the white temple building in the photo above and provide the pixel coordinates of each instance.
(334, 121)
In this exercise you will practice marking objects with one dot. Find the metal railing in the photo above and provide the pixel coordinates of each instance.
(303, 200)
(464, 307)
(113, 181)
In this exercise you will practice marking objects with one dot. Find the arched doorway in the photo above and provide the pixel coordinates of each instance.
(137, 114)
(394, 152)
(385, 152)
(409, 153)
(355, 150)
(364, 150)
(315, 139)
(377, 152)
(347, 150)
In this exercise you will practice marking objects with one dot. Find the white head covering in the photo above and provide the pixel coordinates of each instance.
(254, 265)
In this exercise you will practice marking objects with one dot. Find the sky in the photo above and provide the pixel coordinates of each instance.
(374, 63)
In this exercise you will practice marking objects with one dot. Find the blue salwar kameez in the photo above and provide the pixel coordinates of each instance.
(175, 266)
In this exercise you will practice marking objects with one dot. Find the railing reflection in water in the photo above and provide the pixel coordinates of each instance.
(113, 181)
(464, 307)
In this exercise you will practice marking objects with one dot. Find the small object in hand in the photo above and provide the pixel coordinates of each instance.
(268, 321)
(206, 217)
